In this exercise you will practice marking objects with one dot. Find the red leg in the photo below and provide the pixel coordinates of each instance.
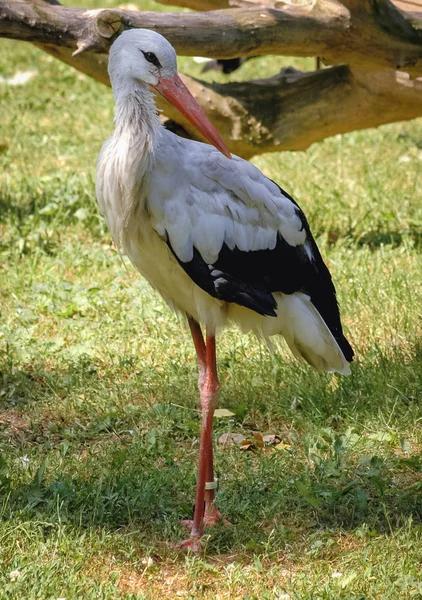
(198, 342)
(214, 387)
(201, 355)
(206, 512)
(211, 514)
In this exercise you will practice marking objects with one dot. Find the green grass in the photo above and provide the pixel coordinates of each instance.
(98, 397)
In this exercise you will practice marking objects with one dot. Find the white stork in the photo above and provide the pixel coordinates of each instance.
(218, 240)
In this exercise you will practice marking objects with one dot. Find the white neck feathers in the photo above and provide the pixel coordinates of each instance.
(130, 154)
(136, 119)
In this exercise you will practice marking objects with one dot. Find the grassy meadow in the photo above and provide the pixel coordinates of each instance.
(98, 399)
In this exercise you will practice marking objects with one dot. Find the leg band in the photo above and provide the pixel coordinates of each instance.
(212, 485)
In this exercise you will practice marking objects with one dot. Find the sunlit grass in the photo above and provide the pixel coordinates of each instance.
(98, 396)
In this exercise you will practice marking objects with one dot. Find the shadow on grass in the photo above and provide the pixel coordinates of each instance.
(90, 469)
(375, 239)
(36, 218)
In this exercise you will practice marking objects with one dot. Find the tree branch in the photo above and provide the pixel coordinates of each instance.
(287, 112)
(290, 111)
(319, 28)
(204, 5)
(293, 110)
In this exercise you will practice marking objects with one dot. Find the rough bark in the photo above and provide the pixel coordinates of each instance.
(293, 110)
(287, 112)
(357, 32)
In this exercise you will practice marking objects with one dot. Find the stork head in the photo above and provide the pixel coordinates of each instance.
(143, 55)
(148, 58)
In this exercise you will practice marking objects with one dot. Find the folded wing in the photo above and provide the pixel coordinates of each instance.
(240, 237)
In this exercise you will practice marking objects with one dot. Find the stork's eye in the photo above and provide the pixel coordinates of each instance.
(150, 57)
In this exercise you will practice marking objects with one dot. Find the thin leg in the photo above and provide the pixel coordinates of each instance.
(209, 389)
(201, 355)
(199, 343)
(209, 396)
(211, 514)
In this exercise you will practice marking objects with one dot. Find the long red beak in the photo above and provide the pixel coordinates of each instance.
(175, 91)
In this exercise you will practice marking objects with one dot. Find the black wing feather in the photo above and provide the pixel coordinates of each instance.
(249, 278)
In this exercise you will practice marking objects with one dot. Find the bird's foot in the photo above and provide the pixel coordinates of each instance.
(193, 544)
(212, 517)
